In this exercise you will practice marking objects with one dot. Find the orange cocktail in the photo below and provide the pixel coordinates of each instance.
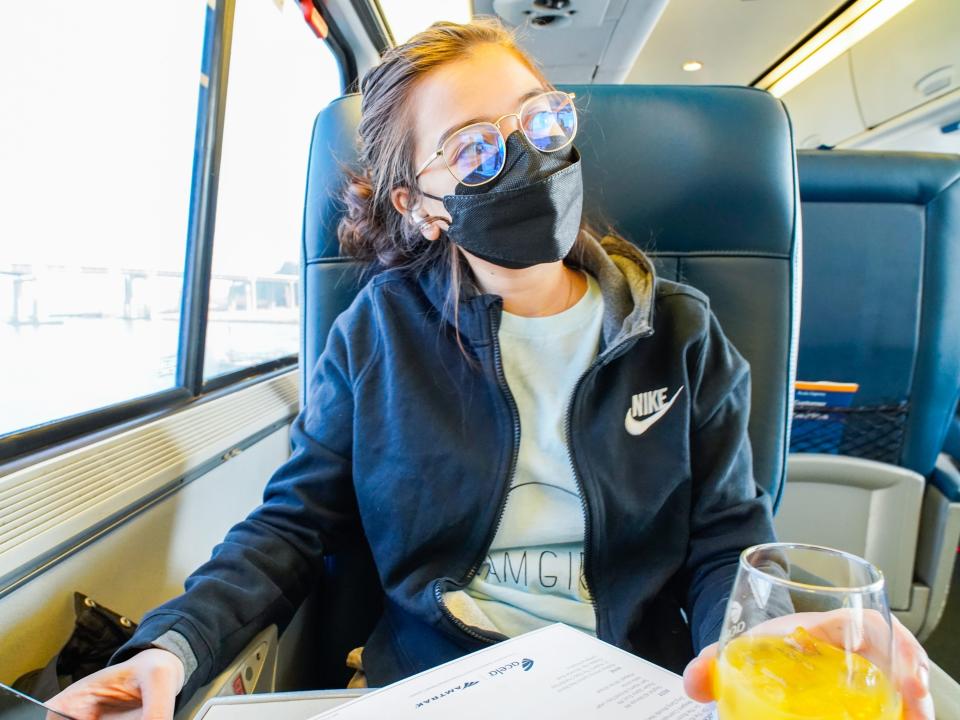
(796, 676)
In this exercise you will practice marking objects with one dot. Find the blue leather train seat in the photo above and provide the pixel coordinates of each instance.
(880, 308)
(666, 167)
(703, 178)
(881, 302)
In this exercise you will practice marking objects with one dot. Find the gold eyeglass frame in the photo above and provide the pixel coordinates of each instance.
(496, 124)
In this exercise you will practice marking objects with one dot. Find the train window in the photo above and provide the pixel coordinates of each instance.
(97, 140)
(281, 74)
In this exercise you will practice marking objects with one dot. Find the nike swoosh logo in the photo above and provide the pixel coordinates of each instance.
(639, 427)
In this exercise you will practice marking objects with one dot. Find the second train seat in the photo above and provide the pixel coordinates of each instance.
(881, 311)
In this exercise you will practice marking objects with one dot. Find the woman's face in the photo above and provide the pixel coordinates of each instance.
(487, 84)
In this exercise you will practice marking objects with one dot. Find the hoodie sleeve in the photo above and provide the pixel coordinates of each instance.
(729, 512)
(267, 564)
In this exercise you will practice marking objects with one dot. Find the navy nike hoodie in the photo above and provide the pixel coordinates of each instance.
(406, 445)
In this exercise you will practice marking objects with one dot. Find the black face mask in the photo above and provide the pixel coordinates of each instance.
(529, 214)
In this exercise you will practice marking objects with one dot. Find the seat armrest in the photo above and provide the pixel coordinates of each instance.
(938, 539)
(252, 671)
(864, 507)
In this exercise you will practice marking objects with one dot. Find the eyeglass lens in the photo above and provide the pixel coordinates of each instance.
(476, 154)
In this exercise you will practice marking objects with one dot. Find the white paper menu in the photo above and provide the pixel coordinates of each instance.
(556, 673)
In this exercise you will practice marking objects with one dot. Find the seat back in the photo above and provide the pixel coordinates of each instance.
(703, 178)
(881, 300)
(881, 313)
(329, 281)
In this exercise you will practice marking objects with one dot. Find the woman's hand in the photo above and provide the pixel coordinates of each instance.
(144, 687)
(865, 636)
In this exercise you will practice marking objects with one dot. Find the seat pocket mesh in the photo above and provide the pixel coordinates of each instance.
(872, 432)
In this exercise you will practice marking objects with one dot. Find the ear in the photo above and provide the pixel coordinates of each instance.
(400, 197)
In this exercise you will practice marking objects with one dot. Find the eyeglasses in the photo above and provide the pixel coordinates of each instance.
(476, 154)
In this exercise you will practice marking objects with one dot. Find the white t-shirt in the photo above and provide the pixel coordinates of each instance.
(533, 573)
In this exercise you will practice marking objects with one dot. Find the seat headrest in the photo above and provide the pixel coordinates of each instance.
(332, 146)
(911, 178)
(710, 162)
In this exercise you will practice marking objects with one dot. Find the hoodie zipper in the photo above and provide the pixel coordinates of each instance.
(515, 415)
(601, 360)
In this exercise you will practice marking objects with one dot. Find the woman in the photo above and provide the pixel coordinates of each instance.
(468, 412)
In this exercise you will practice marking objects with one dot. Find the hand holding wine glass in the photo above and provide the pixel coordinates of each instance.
(808, 634)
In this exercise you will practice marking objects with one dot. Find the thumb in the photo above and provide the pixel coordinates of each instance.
(698, 675)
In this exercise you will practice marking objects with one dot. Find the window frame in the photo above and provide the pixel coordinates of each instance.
(31, 443)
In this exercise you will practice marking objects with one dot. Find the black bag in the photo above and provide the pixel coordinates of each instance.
(97, 633)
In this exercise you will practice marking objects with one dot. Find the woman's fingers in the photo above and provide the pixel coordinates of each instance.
(911, 665)
(921, 709)
(913, 673)
(698, 675)
(865, 632)
(80, 700)
(142, 688)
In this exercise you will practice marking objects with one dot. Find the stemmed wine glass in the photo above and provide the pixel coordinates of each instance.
(807, 634)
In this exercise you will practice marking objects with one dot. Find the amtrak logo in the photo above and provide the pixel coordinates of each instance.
(646, 408)
(449, 691)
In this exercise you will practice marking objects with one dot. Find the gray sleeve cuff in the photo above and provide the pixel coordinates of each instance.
(174, 642)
